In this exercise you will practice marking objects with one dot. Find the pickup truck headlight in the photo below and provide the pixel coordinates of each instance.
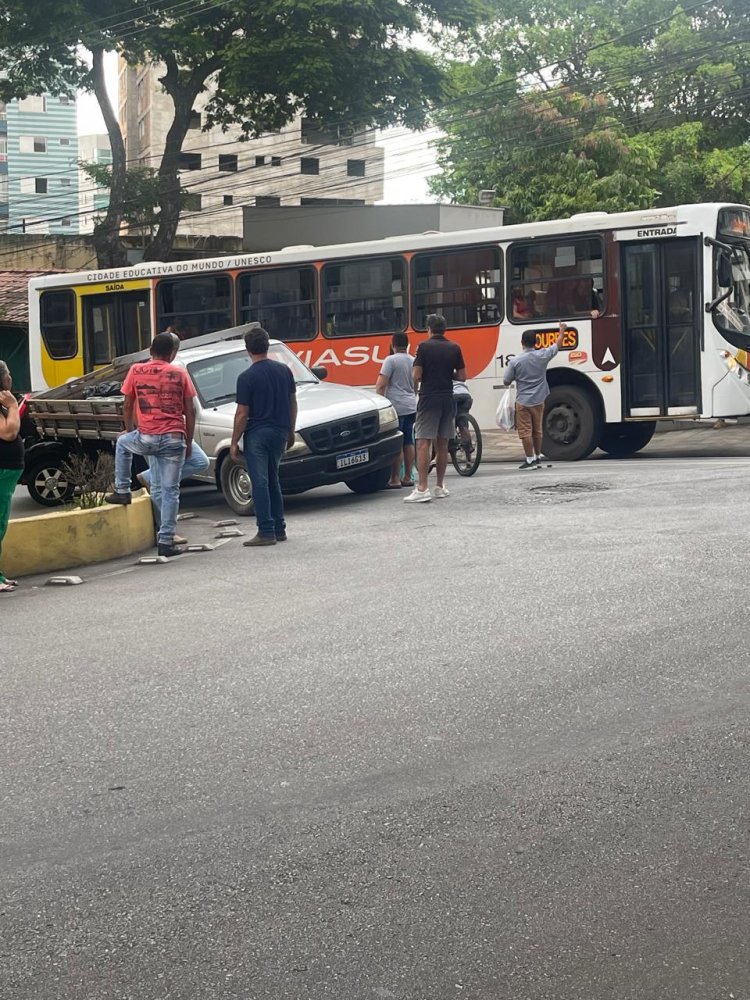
(387, 419)
(298, 448)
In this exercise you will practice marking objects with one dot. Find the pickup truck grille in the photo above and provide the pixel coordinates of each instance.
(341, 434)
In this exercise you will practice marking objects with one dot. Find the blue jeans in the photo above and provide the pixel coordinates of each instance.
(194, 466)
(168, 453)
(264, 447)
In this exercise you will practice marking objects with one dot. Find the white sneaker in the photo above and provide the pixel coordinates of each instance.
(418, 496)
(439, 492)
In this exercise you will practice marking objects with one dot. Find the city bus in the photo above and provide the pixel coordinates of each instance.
(657, 304)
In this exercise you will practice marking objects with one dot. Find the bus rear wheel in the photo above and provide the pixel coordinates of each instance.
(572, 424)
(623, 440)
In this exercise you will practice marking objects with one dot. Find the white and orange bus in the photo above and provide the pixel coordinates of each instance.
(658, 305)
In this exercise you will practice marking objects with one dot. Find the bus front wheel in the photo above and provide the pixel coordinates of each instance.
(623, 440)
(572, 424)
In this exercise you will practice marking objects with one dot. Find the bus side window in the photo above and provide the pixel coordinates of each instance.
(465, 286)
(556, 280)
(58, 324)
(283, 300)
(191, 307)
(364, 296)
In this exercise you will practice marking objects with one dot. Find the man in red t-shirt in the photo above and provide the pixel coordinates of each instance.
(166, 421)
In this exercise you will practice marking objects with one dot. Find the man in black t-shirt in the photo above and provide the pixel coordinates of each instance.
(437, 363)
(266, 415)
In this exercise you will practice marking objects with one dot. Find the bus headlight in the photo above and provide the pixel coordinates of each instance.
(387, 419)
(298, 448)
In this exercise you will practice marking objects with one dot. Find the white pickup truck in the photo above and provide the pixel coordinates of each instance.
(343, 434)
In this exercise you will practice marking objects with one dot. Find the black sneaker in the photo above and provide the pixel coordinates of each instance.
(165, 549)
(123, 498)
(280, 536)
(525, 466)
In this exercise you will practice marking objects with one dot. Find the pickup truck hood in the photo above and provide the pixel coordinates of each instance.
(317, 404)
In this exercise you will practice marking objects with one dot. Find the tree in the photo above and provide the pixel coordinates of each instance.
(338, 61)
(577, 105)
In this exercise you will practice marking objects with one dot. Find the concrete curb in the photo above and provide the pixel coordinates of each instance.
(62, 539)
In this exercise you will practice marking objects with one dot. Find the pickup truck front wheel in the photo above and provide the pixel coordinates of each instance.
(236, 487)
(47, 482)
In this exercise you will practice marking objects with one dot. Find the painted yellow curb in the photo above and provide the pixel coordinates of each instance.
(63, 539)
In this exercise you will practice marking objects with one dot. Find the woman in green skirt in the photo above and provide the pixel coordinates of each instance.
(11, 459)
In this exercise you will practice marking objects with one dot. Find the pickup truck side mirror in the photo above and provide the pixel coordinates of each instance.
(320, 371)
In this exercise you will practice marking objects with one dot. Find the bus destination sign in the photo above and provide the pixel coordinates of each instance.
(546, 338)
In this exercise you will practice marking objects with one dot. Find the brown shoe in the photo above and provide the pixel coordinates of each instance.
(259, 540)
(179, 540)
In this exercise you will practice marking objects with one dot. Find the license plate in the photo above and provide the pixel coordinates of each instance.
(350, 458)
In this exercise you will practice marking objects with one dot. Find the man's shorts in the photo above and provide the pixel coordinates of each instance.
(436, 417)
(406, 426)
(463, 403)
(529, 420)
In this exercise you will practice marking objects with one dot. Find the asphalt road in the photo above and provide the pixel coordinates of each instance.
(494, 746)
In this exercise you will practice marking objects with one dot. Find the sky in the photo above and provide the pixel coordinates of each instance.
(409, 157)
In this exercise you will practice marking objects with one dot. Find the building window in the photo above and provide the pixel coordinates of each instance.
(309, 165)
(58, 324)
(364, 296)
(556, 280)
(275, 161)
(33, 105)
(228, 163)
(195, 120)
(260, 161)
(267, 201)
(65, 182)
(282, 300)
(189, 161)
(194, 306)
(464, 285)
(355, 168)
(192, 203)
(65, 221)
(64, 99)
(314, 133)
(40, 185)
(40, 144)
(65, 142)
(228, 199)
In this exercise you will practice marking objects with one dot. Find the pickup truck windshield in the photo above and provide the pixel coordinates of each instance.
(216, 378)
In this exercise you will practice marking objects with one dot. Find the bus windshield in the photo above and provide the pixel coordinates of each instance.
(732, 283)
(216, 378)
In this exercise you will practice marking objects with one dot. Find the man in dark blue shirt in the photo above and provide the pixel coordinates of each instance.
(266, 415)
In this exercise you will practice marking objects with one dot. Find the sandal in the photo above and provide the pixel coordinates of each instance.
(393, 486)
(8, 586)
(407, 483)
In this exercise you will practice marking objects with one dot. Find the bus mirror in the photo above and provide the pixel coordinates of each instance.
(320, 371)
(724, 271)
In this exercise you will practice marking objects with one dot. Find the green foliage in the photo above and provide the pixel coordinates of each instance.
(141, 195)
(581, 105)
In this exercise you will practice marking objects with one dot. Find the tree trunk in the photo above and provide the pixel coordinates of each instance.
(170, 198)
(110, 251)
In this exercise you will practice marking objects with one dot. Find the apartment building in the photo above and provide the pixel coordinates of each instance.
(299, 165)
(93, 200)
(39, 165)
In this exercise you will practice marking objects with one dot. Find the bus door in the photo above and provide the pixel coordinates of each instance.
(661, 317)
(114, 324)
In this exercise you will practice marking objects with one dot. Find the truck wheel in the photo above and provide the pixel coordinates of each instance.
(236, 487)
(48, 483)
(622, 440)
(572, 424)
(371, 482)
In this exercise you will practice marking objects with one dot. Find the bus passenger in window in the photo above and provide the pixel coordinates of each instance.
(395, 383)
(522, 305)
(584, 299)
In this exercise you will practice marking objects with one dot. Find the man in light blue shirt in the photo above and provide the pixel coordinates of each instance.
(529, 371)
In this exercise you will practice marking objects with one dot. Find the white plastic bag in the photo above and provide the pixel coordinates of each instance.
(506, 410)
